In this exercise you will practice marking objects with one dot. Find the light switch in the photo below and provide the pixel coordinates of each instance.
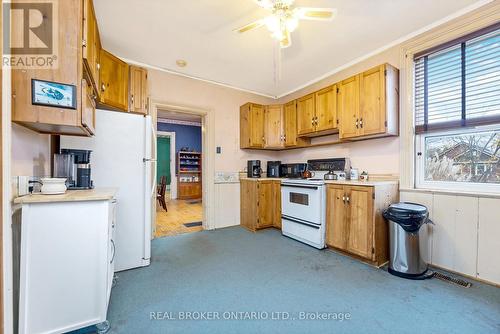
(218, 150)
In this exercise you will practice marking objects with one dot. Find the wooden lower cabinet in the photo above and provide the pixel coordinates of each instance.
(354, 219)
(188, 190)
(260, 203)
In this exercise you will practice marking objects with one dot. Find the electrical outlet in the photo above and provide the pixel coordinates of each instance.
(23, 185)
(218, 150)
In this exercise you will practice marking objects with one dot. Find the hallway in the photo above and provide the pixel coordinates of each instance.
(179, 213)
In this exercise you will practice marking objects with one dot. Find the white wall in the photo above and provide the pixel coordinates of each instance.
(464, 238)
(30, 152)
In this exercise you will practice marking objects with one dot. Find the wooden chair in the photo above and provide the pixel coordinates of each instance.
(160, 196)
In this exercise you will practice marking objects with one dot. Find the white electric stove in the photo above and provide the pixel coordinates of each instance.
(303, 203)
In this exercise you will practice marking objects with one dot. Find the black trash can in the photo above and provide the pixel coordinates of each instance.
(405, 221)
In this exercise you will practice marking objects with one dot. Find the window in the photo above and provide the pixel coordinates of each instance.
(457, 113)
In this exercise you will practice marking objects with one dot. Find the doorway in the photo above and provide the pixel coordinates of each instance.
(179, 173)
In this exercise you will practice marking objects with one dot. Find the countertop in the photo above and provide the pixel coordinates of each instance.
(263, 178)
(369, 183)
(362, 183)
(99, 194)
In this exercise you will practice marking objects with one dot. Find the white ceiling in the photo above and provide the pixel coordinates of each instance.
(158, 32)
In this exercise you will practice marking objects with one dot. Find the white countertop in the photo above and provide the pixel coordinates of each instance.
(99, 194)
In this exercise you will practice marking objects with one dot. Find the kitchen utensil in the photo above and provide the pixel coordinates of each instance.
(307, 174)
(330, 175)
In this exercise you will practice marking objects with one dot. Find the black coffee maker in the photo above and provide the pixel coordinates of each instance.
(273, 169)
(253, 168)
(74, 165)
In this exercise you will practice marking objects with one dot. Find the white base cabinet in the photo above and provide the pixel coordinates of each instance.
(66, 265)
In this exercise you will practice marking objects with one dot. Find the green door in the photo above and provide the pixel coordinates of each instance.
(163, 165)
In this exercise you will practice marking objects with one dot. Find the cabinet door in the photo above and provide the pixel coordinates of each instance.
(336, 218)
(326, 109)
(277, 204)
(88, 107)
(372, 101)
(138, 90)
(273, 126)
(90, 43)
(248, 200)
(266, 204)
(291, 124)
(360, 220)
(305, 114)
(348, 107)
(114, 81)
(256, 119)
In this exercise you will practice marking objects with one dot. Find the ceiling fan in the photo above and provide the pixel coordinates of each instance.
(284, 18)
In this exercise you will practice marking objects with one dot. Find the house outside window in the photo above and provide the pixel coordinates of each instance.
(457, 114)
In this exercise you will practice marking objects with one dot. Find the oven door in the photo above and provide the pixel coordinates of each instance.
(302, 201)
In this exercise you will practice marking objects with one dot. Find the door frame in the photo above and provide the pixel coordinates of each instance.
(173, 178)
(208, 150)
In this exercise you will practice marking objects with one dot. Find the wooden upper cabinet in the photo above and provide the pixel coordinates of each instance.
(91, 44)
(368, 104)
(252, 126)
(372, 101)
(51, 119)
(326, 109)
(138, 90)
(360, 216)
(348, 107)
(305, 114)
(114, 82)
(336, 227)
(290, 115)
(88, 107)
(274, 126)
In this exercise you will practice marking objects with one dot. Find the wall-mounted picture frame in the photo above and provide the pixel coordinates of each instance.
(53, 94)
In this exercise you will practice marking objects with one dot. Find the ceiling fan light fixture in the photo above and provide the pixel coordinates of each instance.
(292, 23)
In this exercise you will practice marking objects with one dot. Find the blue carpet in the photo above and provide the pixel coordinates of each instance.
(233, 270)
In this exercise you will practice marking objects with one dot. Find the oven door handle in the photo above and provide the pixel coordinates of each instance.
(299, 186)
(300, 222)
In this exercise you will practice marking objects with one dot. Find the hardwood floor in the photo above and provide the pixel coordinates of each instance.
(179, 212)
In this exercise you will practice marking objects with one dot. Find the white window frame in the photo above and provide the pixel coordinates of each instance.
(421, 183)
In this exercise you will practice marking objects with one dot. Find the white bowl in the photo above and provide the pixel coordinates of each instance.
(53, 185)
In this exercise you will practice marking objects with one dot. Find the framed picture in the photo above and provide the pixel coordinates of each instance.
(53, 94)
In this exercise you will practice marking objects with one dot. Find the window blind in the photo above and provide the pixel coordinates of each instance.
(458, 84)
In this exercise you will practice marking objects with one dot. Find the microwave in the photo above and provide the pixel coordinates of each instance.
(292, 171)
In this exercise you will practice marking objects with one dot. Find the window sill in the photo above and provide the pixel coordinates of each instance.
(452, 192)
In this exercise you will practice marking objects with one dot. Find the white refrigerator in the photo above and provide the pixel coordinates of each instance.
(124, 156)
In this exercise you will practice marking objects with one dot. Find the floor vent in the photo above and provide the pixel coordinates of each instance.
(454, 280)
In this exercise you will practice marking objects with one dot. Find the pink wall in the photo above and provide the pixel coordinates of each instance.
(223, 102)
(377, 156)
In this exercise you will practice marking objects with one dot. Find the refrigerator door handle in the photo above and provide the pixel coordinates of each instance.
(148, 160)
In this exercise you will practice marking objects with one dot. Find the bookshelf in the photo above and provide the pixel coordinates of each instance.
(189, 170)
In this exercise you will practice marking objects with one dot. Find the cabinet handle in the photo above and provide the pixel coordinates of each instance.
(361, 122)
(348, 200)
(312, 121)
(357, 123)
(98, 66)
(132, 99)
(343, 199)
(114, 251)
(84, 42)
(103, 87)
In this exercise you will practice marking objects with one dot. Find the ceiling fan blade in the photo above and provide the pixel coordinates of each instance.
(306, 13)
(250, 26)
(287, 40)
(267, 4)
